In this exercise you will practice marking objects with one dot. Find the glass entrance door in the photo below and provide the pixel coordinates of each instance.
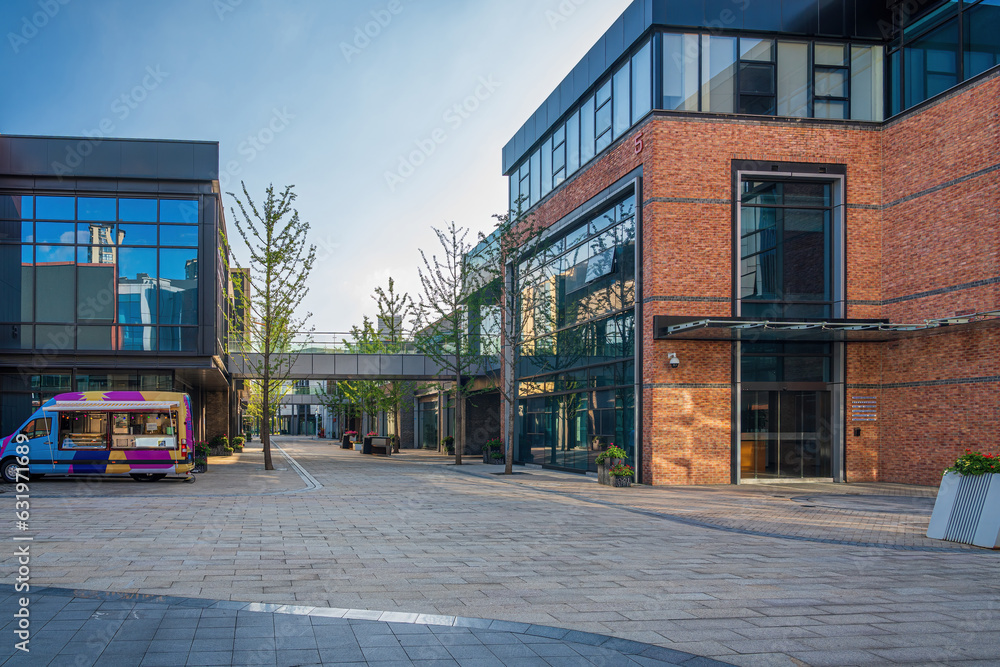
(785, 434)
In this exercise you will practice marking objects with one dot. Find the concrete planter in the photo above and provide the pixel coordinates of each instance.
(603, 472)
(967, 510)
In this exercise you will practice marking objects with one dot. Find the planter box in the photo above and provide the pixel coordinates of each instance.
(604, 471)
(621, 482)
(967, 510)
(359, 446)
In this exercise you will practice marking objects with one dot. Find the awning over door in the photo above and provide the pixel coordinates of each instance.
(667, 327)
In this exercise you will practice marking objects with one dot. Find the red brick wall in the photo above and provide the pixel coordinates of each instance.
(938, 240)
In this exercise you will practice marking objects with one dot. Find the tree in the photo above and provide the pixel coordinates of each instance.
(450, 288)
(394, 310)
(526, 311)
(280, 263)
(366, 394)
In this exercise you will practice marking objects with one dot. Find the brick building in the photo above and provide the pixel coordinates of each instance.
(773, 243)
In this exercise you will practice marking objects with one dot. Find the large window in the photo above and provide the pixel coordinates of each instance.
(785, 249)
(99, 273)
(941, 49)
(576, 371)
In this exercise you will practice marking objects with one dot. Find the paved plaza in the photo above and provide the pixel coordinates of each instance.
(340, 558)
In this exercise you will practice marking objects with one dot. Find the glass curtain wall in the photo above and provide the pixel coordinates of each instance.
(98, 273)
(947, 46)
(718, 74)
(576, 372)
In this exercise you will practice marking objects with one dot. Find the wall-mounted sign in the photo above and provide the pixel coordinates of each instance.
(864, 408)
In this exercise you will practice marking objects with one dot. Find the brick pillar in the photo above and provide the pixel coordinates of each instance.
(216, 414)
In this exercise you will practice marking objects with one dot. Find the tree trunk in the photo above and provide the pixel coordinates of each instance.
(459, 431)
(265, 422)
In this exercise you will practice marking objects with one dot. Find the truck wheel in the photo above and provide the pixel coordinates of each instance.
(8, 470)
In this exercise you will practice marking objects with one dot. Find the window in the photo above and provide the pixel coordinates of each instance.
(642, 82)
(573, 144)
(680, 72)
(982, 37)
(866, 83)
(37, 428)
(757, 76)
(830, 81)
(602, 117)
(718, 74)
(83, 430)
(621, 101)
(785, 249)
(793, 79)
(559, 156)
(587, 135)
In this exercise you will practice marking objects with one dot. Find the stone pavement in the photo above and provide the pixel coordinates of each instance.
(127, 630)
(757, 575)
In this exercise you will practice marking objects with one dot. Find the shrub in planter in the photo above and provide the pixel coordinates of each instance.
(621, 475)
(967, 508)
(239, 441)
(449, 444)
(228, 451)
(610, 457)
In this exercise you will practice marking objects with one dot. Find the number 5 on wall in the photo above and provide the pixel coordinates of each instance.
(638, 143)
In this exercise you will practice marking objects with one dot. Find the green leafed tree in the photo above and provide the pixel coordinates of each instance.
(394, 311)
(450, 287)
(281, 260)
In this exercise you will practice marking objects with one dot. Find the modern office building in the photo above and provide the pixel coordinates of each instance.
(773, 238)
(110, 273)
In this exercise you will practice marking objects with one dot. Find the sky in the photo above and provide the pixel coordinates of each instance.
(388, 116)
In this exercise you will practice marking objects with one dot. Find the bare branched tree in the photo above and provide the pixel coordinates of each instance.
(280, 263)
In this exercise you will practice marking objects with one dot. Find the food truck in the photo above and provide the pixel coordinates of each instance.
(144, 434)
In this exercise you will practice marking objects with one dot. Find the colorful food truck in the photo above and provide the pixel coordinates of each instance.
(145, 434)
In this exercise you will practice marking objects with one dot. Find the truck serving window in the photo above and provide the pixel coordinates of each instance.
(83, 430)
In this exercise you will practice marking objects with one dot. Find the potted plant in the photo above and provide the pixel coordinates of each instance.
(449, 444)
(493, 450)
(621, 475)
(238, 443)
(607, 459)
(201, 450)
(967, 509)
(219, 445)
(348, 439)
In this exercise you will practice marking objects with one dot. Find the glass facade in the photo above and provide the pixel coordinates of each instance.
(785, 266)
(710, 73)
(953, 43)
(576, 371)
(786, 390)
(99, 273)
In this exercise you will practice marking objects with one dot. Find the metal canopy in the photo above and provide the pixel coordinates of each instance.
(756, 330)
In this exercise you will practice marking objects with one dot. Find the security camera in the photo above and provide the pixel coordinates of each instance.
(674, 361)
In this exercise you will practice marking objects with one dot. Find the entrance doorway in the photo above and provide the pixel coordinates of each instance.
(785, 434)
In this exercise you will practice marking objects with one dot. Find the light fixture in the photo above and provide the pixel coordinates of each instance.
(673, 360)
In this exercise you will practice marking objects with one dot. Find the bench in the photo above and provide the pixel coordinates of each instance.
(376, 445)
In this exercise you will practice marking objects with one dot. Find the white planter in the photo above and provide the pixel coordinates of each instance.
(967, 510)
(358, 446)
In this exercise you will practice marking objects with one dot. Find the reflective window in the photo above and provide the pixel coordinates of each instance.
(178, 210)
(137, 338)
(181, 235)
(137, 286)
(793, 79)
(602, 117)
(785, 265)
(982, 37)
(98, 209)
(587, 131)
(96, 292)
(55, 283)
(642, 82)
(680, 72)
(137, 234)
(96, 233)
(931, 63)
(573, 143)
(718, 74)
(54, 232)
(55, 208)
(137, 210)
(867, 83)
(178, 339)
(178, 287)
(621, 101)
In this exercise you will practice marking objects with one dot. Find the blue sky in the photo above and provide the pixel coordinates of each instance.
(295, 96)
